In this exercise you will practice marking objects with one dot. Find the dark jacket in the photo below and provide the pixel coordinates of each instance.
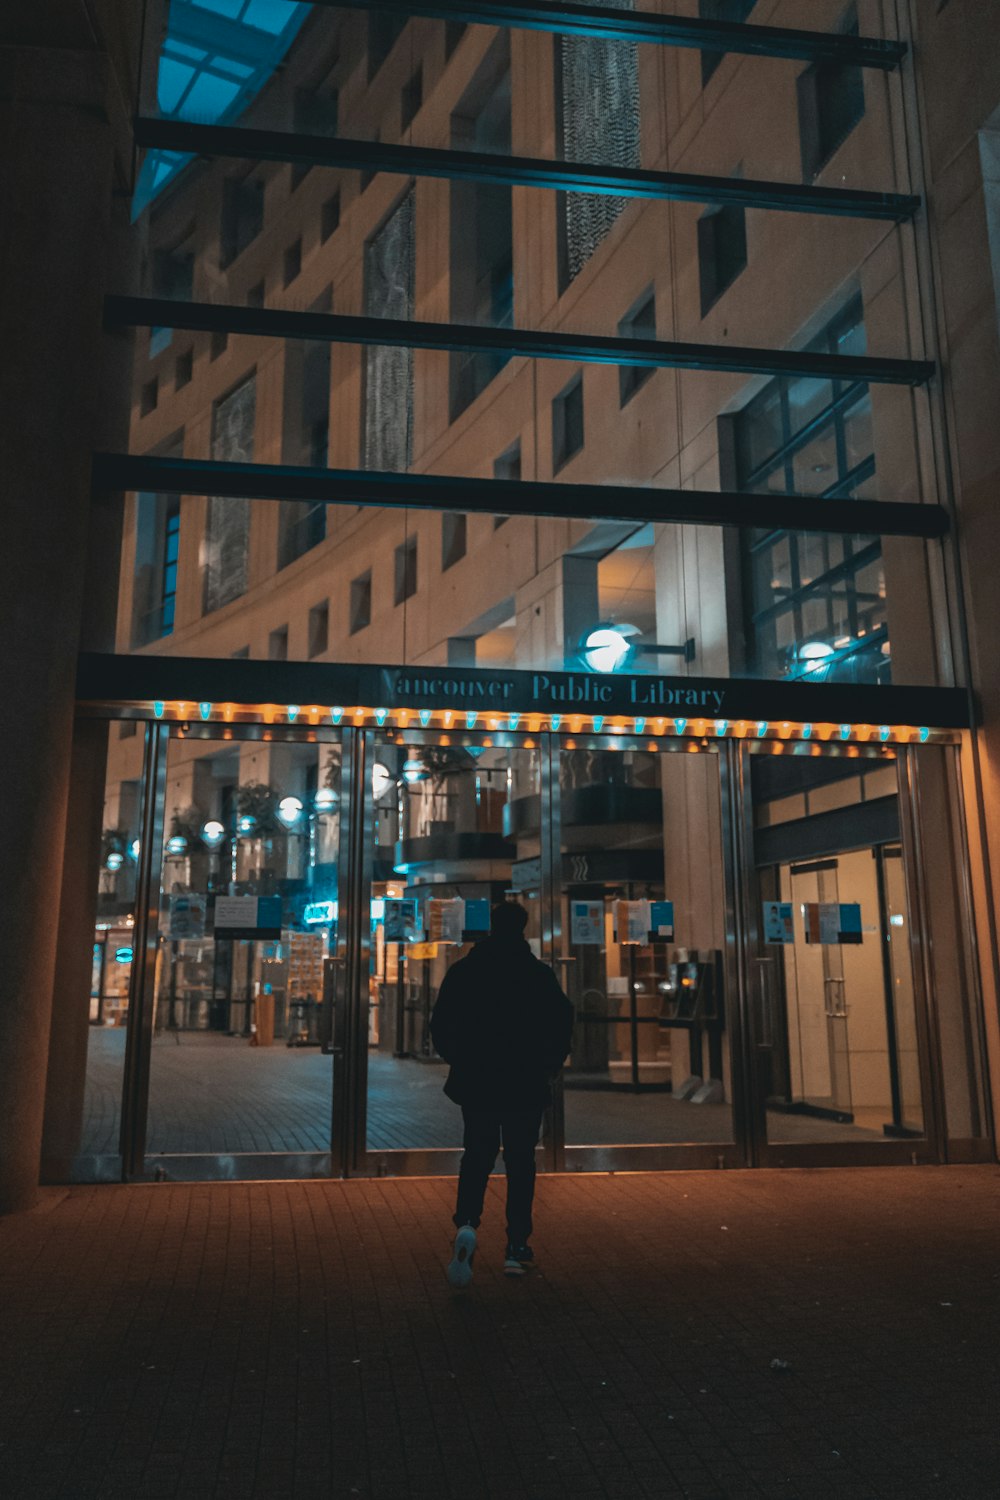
(503, 1024)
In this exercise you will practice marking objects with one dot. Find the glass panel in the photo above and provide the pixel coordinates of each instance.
(456, 830)
(839, 1031)
(90, 1125)
(642, 905)
(237, 1064)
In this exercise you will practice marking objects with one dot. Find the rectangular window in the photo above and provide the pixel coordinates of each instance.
(814, 604)
(405, 582)
(292, 262)
(412, 98)
(597, 120)
(319, 628)
(831, 99)
(453, 34)
(157, 551)
(148, 397)
(242, 653)
(361, 602)
(219, 343)
(722, 251)
(638, 323)
(277, 644)
(567, 423)
(453, 538)
(384, 30)
(227, 526)
(329, 217)
(388, 372)
(183, 369)
(481, 261)
(314, 112)
(242, 216)
(736, 11)
(507, 466)
(255, 295)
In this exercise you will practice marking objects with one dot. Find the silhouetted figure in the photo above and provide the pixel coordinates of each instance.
(504, 1025)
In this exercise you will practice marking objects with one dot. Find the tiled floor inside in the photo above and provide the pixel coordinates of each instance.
(216, 1093)
(822, 1335)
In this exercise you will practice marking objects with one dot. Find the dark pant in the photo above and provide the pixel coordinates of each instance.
(518, 1128)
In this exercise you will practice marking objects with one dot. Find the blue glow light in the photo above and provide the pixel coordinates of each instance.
(470, 719)
(247, 823)
(381, 714)
(680, 725)
(762, 727)
(293, 710)
(845, 731)
(721, 725)
(158, 710)
(640, 725)
(425, 717)
(513, 721)
(176, 844)
(925, 734)
(607, 648)
(133, 849)
(115, 860)
(336, 714)
(807, 730)
(319, 912)
(555, 721)
(599, 722)
(123, 955)
(326, 799)
(205, 709)
(884, 732)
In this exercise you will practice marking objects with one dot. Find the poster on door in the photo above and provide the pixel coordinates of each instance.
(187, 916)
(251, 917)
(632, 921)
(400, 922)
(477, 920)
(661, 921)
(777, 922)
(831, 923)
(586, 922)
(445, 919)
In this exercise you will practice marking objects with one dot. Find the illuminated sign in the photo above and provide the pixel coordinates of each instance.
(123, 955)
(319, 912)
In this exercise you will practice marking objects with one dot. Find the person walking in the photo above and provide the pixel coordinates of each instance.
(504, 1026)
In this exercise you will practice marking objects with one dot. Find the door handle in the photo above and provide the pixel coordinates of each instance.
(765, 1001)
(836, 1010)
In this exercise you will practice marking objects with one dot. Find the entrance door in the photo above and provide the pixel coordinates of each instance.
(836, 1041)
(233, 1024)
(642, 917)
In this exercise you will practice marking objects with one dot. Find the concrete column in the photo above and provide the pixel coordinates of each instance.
(63, 120)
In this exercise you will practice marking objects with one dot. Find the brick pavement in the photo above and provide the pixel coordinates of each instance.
(299, 1340)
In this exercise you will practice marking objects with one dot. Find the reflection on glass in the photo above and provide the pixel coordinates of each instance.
(456, 830)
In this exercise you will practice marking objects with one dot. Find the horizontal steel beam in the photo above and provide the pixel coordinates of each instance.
(518, 171)
(341, 328)
(516, 497)
(607, 23)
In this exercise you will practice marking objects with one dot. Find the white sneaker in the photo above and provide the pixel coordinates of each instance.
(460, 1267)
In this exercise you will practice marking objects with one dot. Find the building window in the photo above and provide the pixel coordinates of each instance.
(255, 295)
(638, 323)
(507, 466)
(292, 262)
(227, 526)
(814, 604)
(242, 216)
(482, 241)
(126, 729)
(453, 34)
(148, 397)
(388, 372)
(411, 99)
(314, 112)
(405, 584)
(831, 99)
(384, 30)
(173, 279)
(360, 603)
(597, 120)
(319, 628)
(183, 369)
(157, 551)
(453, 538)
(567, 423)
(722, 251)
(329, 217)
(277, 644)
(219, 343)
(720, 10)
(242, 653)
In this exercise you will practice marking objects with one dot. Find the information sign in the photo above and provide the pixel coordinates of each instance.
(587, 922)
(254, 917)
(401, 922)
(445, 919)
(661, 921)
(831, 923)
(777, 922)
(187, 916)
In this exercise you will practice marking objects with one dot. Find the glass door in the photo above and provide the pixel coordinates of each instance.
(235, 1018)
(642, 922)
(454, 827)
(836, 1024)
